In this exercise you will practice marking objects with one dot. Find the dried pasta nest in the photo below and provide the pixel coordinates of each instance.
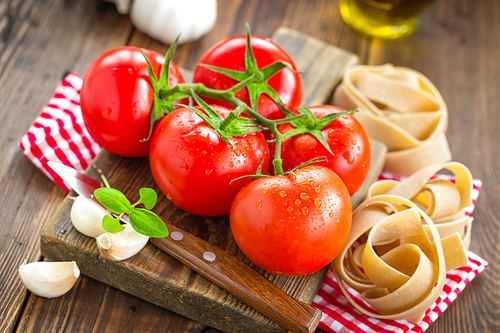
(401, 108)
(404, 238)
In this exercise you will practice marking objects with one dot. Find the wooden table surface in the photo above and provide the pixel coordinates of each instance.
(457, 46)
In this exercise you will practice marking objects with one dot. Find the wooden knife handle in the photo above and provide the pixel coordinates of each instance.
(240, 280)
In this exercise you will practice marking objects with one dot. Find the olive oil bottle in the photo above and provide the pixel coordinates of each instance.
(391, 20)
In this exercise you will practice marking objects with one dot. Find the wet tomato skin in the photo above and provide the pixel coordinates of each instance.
(193, 167)
(292, 226)
(117, 96)
(230, 54)
(346, 138)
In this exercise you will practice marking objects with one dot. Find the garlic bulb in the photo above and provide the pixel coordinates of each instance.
(121, 245)
(86, 216)
(49, 279)
(166, 19)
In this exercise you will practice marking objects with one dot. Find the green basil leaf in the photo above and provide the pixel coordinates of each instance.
(148, 197)
(114, 200)
(112, 224)
(148, 223)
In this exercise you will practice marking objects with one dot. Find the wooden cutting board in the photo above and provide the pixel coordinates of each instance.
(158, 278)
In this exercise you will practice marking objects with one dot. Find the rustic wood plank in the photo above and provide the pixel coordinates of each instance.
(314, 57)
(457, 46)
(35, 53)
(79, 310)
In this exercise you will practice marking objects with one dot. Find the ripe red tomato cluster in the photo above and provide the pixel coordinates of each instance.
(291, 224)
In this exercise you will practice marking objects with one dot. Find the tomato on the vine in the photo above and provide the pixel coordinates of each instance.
(230, 54)
(292, 226)
(117, 97)
(347, 140)
(194, 167)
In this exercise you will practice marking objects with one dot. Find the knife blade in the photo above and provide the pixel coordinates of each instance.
(223, 269)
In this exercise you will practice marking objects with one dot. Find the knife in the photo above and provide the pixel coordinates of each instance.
(223, 269)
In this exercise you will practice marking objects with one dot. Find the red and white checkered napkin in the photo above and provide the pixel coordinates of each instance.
(59, 135)
(340, 316)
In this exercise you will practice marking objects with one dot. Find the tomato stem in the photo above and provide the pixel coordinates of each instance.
(228, 96)
(255, 80)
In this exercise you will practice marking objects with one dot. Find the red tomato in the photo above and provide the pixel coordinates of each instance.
(230, 54)
(346, 138)
(117, 97)
(292, 226)
(193, 166)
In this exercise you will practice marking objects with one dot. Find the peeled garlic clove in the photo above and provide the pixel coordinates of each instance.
(121, 245)
(49, 279)
(86, 216)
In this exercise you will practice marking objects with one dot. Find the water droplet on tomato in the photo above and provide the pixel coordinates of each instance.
(297, 202)
(304, 196)
(289, 209)
(331, 214)
(297, 213)
(305, 182)
(305, 211)
(353, 142)
(317, 202)
(349, 156)
(114, 70)
(317, 189)
(258, 204)
(231, 164)
(331, 133)
(265, 190)
(106, 113)
(250, 141)
(169, 197)
(320, 211)
(208, 171)
(130, 71)
(282, 194)
(274, 185)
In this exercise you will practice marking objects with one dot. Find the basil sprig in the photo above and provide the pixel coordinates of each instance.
(144, 221)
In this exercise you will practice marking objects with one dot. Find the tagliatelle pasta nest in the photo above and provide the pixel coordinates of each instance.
(401, 108)
(404, 238)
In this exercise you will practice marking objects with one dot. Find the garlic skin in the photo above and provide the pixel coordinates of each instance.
(121, 245)
(166, 19)
(86, 216)
(49, 279)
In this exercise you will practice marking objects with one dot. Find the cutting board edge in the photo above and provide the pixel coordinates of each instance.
(195, 306)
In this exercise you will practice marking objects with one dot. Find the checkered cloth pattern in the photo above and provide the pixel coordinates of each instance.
(59, 135)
